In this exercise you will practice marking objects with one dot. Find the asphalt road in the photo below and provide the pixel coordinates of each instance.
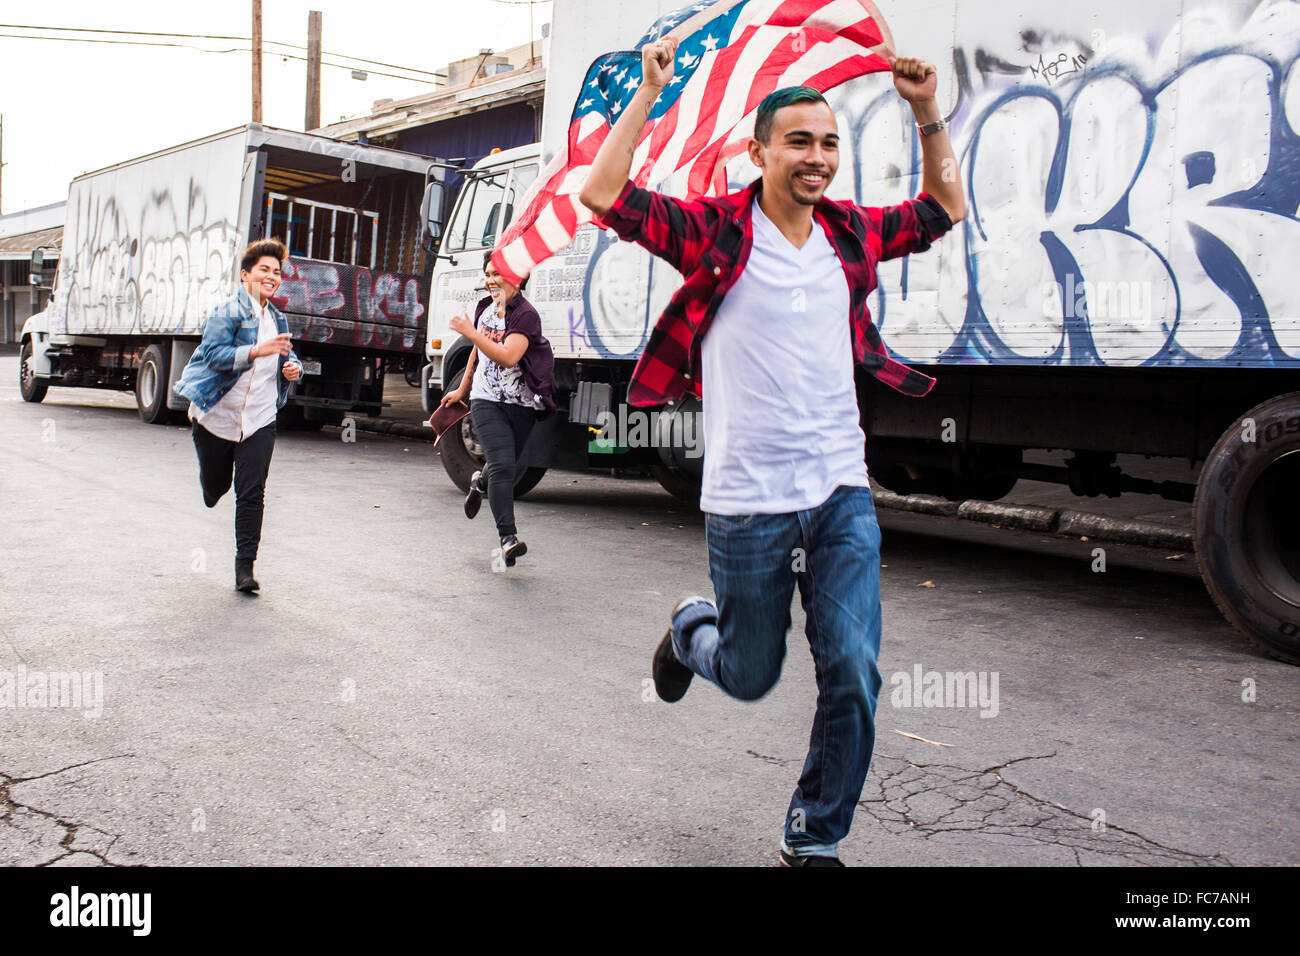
(391, 699)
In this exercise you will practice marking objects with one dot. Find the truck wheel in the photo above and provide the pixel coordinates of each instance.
(411, 370)
(682, 487)
(1247, 519)
(462, 455)
(32, 389)
(151, 386)
(527, 480)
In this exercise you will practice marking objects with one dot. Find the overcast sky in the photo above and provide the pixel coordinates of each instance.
(73, 107)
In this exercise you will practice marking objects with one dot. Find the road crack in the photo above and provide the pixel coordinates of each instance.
(77, 837)
(928, 799)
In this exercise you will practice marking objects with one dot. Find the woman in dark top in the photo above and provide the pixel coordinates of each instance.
(509, 388)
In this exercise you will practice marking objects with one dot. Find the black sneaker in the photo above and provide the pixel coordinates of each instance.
(789, 859)
(474, 500)
(244, 580)
(511, 548)
(672, 677)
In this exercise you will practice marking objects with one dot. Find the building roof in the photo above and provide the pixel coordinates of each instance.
(517, 86)
(24, 244)
(29, 220)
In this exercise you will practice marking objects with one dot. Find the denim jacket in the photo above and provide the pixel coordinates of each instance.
(229, 334)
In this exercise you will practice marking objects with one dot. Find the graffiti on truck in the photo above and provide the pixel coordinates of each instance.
(116, 282)
(350, 305)
(1122, 208)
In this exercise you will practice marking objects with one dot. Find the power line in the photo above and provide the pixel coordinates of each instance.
(180, 46)
(183, 46)
(195, 36)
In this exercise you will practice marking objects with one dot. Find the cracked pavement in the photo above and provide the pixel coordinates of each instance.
(391, 700)
(33, 837)
(927, 799)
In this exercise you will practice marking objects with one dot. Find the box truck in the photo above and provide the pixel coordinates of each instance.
(1121, 285)
(152, 244)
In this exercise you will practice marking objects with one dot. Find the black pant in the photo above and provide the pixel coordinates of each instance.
(502, 429)
(249, 460)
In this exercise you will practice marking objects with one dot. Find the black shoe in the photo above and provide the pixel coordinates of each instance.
(474, 500)
(672, 677)
(788, 859)
(511, 548)
(244, 580)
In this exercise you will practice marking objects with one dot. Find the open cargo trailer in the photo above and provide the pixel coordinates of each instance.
(152, 244)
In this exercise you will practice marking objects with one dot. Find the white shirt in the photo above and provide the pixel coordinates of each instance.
(781, 422)
(251, 402)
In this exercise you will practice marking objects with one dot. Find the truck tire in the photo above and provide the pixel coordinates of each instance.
(528, 479)
(681, 486)
(151, 386)
(1247, 523)
(462, 455)
(411, 370)
(32, 389)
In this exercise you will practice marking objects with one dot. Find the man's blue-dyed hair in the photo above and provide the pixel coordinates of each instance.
(775, 101)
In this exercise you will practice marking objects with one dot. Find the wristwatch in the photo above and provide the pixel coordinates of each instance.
(929, 128)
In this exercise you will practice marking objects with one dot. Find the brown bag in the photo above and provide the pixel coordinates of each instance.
(445, 417)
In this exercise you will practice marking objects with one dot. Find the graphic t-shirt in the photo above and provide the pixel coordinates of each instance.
(496, 383)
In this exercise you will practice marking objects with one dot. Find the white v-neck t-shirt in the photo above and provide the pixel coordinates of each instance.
(781, 423)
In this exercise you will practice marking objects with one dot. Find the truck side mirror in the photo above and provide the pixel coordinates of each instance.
(431, 210)
(38, 261)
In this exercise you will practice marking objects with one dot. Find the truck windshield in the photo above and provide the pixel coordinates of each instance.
(477, 216)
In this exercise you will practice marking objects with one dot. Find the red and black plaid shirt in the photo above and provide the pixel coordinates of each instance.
(708, 241)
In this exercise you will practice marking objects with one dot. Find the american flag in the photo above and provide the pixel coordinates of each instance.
(730, 55)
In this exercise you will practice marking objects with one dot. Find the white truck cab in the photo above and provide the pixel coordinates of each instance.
(485, 207)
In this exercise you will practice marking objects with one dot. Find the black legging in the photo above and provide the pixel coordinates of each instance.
(502, 429)
(249, 461)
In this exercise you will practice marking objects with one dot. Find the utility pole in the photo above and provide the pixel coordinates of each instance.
(257, 61)
(313, 70)
(2, 158)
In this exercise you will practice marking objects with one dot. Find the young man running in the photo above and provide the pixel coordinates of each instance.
(236, 381)
(778, 277)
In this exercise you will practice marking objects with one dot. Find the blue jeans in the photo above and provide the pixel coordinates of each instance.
(833, 553)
